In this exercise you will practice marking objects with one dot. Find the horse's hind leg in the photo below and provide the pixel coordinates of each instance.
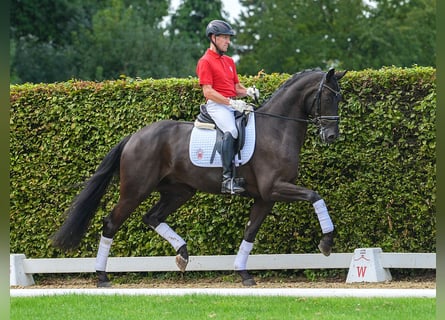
(111, 225)
(172, 197)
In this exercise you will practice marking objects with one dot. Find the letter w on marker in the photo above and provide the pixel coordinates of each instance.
(361, 270)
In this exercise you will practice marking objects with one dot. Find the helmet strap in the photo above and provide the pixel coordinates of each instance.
(217, 49)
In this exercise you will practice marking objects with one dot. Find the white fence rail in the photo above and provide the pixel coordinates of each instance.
(22, 268)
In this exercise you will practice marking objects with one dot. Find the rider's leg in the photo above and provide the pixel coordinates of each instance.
(229, 184)
(224, 118)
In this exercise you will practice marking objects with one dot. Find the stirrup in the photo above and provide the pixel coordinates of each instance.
(230, 185)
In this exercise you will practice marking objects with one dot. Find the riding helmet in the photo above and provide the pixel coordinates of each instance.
(218, 27)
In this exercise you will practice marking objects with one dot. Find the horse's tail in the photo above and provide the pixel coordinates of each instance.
(84, 206)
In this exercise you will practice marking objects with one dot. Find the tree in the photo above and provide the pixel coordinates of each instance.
(123, 40)
(36, 61)
(288, 36)
(45, 20)
(41, 38)
(95, 41)
(187, 32)
(401, 33)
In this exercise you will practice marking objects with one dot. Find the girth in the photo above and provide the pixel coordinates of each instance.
(204, 121)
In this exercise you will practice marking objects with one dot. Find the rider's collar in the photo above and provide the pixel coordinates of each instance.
(216, 54)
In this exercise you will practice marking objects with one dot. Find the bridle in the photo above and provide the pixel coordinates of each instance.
(318, 118)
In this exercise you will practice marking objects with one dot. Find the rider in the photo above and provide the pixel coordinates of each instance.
(221, 86)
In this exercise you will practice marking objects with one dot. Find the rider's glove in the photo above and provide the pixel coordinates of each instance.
(253, 92)
(241, 106)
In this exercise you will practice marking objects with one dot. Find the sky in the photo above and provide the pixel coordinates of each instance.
(233, 7)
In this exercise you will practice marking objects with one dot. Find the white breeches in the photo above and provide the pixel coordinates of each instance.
(223, 116)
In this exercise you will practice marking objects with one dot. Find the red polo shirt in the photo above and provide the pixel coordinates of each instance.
(219, 72)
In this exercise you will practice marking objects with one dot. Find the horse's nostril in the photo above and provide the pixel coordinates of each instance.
(331, 137)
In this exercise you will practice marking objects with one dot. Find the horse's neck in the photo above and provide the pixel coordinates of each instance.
(290, 102)
(290, 124)
(283, 124)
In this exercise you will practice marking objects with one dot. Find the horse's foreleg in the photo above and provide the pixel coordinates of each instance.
(285, 191)
(258, 213)
(241, 263)
(327, 227)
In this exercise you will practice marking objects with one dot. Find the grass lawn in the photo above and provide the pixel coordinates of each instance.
(85, 307)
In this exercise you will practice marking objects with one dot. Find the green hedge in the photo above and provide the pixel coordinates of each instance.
(378, 179)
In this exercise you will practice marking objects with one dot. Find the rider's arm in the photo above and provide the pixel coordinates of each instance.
(241, 91)
(212, 94)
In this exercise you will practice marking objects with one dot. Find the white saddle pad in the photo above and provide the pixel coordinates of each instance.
(202, 143)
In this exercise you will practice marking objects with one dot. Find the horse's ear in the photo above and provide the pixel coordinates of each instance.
(339, 75)
(329, 74)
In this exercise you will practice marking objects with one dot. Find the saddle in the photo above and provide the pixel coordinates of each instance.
(204, 121)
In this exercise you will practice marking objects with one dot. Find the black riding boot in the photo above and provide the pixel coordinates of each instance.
(229, 183)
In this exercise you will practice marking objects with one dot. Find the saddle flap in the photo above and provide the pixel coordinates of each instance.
(203, 142)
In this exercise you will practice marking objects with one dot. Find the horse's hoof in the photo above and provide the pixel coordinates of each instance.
(102, 280)
(247, 279)
(249, 282)
(104, 284)
(326, 243)
(181, 263)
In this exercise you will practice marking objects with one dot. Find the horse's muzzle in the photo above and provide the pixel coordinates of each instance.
(328, 128)
(329, 134)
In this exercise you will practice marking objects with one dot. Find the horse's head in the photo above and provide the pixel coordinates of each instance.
(324, 112)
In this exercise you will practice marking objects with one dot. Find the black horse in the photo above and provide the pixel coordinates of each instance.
(156, 159)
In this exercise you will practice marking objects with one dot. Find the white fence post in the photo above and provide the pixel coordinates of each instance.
(17, 275)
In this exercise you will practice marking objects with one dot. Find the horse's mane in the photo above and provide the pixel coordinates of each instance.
(295, 77)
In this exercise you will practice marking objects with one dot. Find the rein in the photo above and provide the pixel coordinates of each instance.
(317, 100)
(282, 117)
